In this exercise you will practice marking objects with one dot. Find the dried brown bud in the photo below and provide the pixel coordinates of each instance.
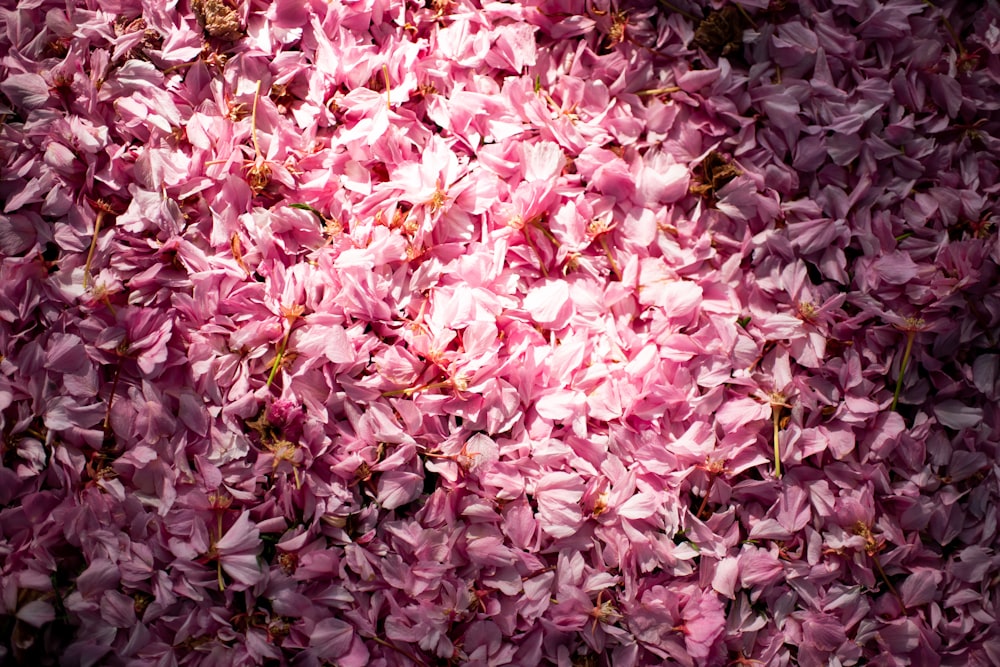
(713, 173)
(721, 32)
(258, 176)
(218, 19)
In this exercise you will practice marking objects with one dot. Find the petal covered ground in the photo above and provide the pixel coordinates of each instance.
(486, 333)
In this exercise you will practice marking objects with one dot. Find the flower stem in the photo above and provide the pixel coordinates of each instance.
(704, 500)
(93, 247)
(677, 10)
(278, 358)
(401, 651)
(531, 244)
(218, 561)
(658, 91)
(949, 27)
(385, 77)
(885, 578)
(409, 391)
(910, 335)
(537, 224)
(775, 418)
(237, 251)
(174, 68)
(537, 573)
(611, 259)
(253, 121)
(111, 398)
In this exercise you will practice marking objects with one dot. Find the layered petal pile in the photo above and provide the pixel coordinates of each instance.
(569, 332)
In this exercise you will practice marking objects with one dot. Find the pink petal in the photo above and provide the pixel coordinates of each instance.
(36, 613)
(896, 268)
(542, 161)
(639, 506)
(823, 632)
(327, 340)
(955, 414)
(921, 587)
(242, 535)
(549, 304)
(559, 495)
(726, 576)
(331, 638)
(397, 488)
(28, 91)
(243, 568)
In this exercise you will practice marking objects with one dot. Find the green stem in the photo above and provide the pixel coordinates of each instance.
(278, 359)
(910, 335)
(111, 397)
(253, 122)
(747, 16)
(385, 77)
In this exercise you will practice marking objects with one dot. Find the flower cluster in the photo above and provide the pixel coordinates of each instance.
(570, 332)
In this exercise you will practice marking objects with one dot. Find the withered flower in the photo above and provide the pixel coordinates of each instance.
(721, 33)
(713, 173)
(218, 19)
